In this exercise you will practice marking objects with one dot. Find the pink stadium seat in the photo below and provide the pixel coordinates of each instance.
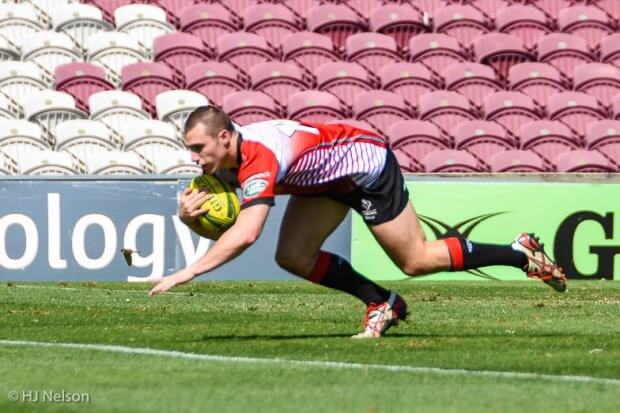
(81, 80)
(610, 49)
(405, 162)
(301, 7)
(575, 109)
(510, 109)
(429, 6)
(244, 50)
(277, 79)
(371, 50)
(308, 50)
(344, 80)
(481, 138)
(436, 51)
(238, 6)
(208, 21)
(552, 7)
(214, 80)
(615, 107)
(270, 20)
(410, 80)
(248, 106)
(582, 160)
(336, 21)
(399, 21)
(501, 51)
(363, 7)
(380, 108)
(611, 7)
(314, 106)
(547, 138)
(514, 160)
(445, 109)
(489, 7)
(537, 80)
(604, 136)
(462, 22)
(473, 80)
(597, 79)
(588, 22)
(526, 22)
(179, 50)
(416, 138)
(147, 80)
(174, 8)
(450, 160)
(564, 51)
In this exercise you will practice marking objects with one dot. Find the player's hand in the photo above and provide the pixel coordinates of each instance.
(190, 204)
(169, 282)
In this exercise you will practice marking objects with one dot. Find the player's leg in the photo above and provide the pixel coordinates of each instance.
(307, 222)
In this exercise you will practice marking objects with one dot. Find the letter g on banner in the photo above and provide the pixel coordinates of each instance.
(564, 245)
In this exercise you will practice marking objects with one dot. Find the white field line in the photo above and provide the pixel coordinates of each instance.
(509, 375)
(57, 287)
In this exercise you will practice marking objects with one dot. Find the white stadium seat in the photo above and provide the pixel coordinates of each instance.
(48, 108)
(18, 22)
(83, 138)
(116, 109)
(44, 8)
(149, 137)
(80, 22)
(8, 165)
(48, 163)
(116, 163)
(175, 106)
(112, 51)
(8, 51)
(143, 22)
(177, 162)
(7, 110)
(50, 49)
(18, 80)
(19, 138)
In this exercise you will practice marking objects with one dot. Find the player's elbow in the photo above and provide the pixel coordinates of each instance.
(249, 238)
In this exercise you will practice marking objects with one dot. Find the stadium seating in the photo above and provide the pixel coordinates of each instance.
(455, 85)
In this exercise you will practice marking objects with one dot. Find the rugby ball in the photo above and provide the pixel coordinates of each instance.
(223, 206)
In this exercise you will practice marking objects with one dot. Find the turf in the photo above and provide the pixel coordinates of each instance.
(508, 326)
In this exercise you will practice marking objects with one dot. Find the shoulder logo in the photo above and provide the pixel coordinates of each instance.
(254, 187)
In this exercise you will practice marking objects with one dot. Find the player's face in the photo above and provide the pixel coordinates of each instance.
(209, 152)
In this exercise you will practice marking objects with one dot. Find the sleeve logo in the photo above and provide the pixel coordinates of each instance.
(254, 187)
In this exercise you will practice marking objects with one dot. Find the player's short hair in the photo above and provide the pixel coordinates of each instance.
(214, 119)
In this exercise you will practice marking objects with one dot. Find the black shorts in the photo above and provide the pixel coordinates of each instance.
(384, 200)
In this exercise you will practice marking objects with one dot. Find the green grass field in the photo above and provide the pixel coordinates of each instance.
(481, 326)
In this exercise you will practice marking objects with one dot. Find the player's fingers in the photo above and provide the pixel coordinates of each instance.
(187, 191)
(197, 202)
(198, 212)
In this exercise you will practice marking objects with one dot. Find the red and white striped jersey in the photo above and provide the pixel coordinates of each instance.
(302, 158)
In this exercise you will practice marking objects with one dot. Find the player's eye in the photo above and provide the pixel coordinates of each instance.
(195, 148)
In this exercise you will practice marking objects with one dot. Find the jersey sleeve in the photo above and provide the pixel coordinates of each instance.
(257, 175)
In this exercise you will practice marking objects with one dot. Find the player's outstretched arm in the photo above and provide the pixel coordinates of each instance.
(245, 231)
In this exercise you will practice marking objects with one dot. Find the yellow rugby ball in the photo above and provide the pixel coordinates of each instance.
(223, 205)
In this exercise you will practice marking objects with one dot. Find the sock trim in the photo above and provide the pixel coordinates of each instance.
(456, 253)
(320, 268)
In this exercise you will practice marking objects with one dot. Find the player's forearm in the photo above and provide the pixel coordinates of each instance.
(232, 243)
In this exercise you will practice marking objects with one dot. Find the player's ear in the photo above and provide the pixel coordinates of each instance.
(224, 136)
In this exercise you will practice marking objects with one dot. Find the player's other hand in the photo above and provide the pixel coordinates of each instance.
(190, 204)
(169, 282)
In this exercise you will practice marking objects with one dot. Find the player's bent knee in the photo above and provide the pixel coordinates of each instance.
(295, 263)
(414, 269)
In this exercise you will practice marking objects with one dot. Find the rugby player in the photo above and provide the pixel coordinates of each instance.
(328, 169)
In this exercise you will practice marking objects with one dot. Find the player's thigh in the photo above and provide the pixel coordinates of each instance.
(402, 238)
(307, 222)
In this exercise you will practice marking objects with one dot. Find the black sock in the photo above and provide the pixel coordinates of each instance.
(466, 255)
(335, 272)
